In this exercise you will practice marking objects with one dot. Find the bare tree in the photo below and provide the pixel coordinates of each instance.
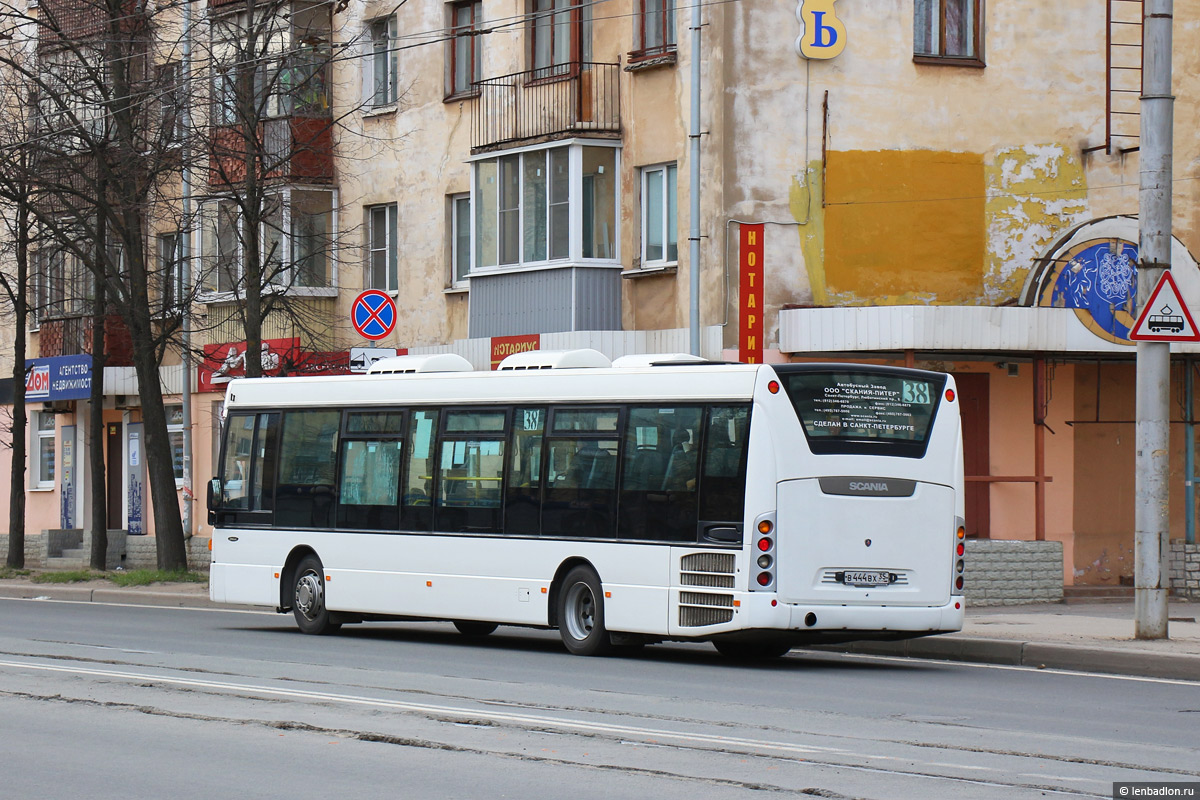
(268, 217)
(103, 156)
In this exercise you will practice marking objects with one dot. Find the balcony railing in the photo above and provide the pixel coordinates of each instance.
(579, 98)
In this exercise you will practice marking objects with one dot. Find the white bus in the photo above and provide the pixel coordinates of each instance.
(754, 506)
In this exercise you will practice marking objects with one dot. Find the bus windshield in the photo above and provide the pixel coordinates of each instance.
(882, 411)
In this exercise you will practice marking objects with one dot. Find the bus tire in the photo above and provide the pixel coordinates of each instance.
(752, 651)
(581, 613)
(470, 628)
(308, 598)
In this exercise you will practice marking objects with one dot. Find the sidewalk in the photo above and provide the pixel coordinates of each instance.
(1086, 637)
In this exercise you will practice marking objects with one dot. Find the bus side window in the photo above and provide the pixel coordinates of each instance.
(658, 487)
(723, 480)
(416, 497)
(307, 469)
(470, 471)
(523, 495)
(248, 470)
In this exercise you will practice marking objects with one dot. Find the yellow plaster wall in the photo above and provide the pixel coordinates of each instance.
(904, 226)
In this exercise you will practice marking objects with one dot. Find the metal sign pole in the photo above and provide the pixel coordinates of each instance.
(1151, 519)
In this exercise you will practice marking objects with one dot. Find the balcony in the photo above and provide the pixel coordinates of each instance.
(576, 99)
(294, 150)
(72, 335)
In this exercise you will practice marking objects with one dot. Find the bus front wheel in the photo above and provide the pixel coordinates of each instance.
(581, 613)
(308, 598)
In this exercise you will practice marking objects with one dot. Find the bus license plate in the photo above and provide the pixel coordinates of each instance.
(866, 578)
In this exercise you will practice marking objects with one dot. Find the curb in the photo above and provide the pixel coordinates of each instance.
(1010, 652)
(84, 594)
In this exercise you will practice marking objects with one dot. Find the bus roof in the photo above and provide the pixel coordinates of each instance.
(670, 383)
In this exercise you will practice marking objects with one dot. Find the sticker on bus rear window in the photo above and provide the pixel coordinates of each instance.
(873, 407)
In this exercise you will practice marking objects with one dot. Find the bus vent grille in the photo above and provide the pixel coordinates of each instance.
(714, 570)
(699, 608)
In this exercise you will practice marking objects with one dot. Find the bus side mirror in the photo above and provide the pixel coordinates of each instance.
(214, 498)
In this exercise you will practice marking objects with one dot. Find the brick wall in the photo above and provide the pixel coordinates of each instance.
(130, 552)
(1185, 570)
(1003, 573)
(141, 553)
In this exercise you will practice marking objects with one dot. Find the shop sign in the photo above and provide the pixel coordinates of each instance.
(58, 378)
(504, 346)
(822, 34)
(750, 294)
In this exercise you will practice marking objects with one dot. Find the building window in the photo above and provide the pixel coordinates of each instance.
(463, 66)
(170, 104)
(552, 204)
(41, 450)
(560, 35)
(654, 32)
(379, 67)
(460, 238)
(296, 242)
(660, 216)
(948, 31)
(175, 436)
(171, 271)
(381, 247)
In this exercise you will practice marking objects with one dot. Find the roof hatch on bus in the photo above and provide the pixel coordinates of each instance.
(655, 359)
(434, 362)
(555, 359)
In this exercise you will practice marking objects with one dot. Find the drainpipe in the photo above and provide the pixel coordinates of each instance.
(1189, 474)
(694, 190)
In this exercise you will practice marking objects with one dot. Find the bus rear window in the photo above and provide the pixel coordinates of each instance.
(878, 411)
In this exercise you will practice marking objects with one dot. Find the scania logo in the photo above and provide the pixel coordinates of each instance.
(865, 486)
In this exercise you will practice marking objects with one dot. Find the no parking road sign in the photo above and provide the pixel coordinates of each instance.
(373, 314)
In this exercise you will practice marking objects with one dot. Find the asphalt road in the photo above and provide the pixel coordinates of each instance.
(104, 701)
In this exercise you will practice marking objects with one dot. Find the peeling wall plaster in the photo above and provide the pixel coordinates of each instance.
(1034, 192)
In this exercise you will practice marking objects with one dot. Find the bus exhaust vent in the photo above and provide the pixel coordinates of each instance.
(407, 365)
(714, 570)
(555, 359)
(697, 609)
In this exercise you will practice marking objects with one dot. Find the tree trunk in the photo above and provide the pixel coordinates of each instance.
(16, 489)
(96, 462)
(168, 523)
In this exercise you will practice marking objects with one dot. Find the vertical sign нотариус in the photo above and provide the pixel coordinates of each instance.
(750, 295)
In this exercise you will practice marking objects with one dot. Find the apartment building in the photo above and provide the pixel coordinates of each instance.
(950, 184)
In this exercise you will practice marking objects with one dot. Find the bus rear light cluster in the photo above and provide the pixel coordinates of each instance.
(960, 550)
(765, 543)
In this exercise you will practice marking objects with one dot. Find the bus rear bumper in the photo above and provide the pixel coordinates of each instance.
(831, 623)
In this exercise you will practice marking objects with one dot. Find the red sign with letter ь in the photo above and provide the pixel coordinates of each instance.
(750, 296)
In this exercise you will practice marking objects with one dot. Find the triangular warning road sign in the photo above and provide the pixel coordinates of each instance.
(1165, 317)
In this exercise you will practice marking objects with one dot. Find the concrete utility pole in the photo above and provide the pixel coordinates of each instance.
(694, 191)
(1152, 532)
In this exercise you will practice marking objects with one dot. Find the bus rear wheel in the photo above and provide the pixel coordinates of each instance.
(581, 614)
(308, 598)
(752, 651)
